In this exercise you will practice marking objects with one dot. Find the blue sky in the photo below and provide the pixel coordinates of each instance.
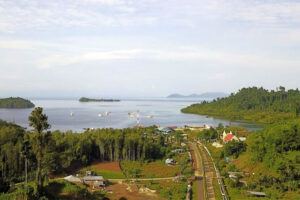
(144, 48)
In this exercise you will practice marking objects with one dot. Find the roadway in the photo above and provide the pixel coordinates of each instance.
(199, 182)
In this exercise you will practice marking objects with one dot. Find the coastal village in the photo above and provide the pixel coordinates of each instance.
(137, 185)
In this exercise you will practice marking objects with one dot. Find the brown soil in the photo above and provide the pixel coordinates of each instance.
(111, 166)
(130, 191)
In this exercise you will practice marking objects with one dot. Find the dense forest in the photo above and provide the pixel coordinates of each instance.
(252, 104)
(275, 150)
(45, 152)
(15, 102)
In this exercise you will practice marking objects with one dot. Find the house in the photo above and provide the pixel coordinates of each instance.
(258, 194)
(95, 180)
(178, 178)
(185, 136)
(88, 173)
(190, 156)
(165, 130)
(170, 161)
(197, 127)
(217, 145)
(227, 137)
(72, 178)
(178, 150)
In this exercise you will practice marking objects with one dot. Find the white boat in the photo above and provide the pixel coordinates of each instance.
(71, 114)
(99, 115)
(149, 116)
(107, 113)
(131, 115)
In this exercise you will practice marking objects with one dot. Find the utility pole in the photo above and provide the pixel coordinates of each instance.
(26, 169)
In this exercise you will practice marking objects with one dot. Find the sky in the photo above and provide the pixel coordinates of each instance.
(146, 48)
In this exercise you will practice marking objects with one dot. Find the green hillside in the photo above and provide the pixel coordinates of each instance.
(270, 158)
(252, 104)
(15, 102)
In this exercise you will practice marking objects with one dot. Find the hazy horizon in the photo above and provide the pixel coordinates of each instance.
(115, 48)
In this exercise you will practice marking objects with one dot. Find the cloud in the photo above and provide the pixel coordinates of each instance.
(39, 15)
(24, 44)
(62, 60)
(201, 55)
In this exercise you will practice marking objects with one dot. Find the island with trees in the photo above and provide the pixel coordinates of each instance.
(252, 104)
(84, 99)
(15, 102)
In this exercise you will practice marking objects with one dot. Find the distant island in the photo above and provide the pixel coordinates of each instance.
(211, 95)
(84, 99)
(253, 104)
(15, 102)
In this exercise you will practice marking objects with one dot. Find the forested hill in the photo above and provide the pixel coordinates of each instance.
(15, 102)
(252, 104)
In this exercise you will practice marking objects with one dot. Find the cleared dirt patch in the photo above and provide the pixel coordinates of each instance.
(130, 191)
(110, 166)
(109, 170)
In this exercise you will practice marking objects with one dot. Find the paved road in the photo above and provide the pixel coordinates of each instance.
(198, 172)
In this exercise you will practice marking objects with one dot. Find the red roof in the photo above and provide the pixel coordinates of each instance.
(229, 137)
(172, 127)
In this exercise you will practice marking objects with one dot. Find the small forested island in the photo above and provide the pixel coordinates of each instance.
(84, 99)
(252, 104)
(15, 102)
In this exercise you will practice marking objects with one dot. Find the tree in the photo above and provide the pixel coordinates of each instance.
(234, 148)
(39, 122)
(25, 152)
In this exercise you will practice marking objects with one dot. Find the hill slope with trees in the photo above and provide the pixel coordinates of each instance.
(252, 104)
(15, 102)
(269, 160)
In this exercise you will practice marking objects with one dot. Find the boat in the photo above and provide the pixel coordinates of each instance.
(99, 115)
(149, 116)
(107, 113)
(71, 114)
(131, 115)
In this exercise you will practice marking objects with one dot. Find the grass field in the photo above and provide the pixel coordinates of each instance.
(149, 170)
(156, 169)
(159, 169)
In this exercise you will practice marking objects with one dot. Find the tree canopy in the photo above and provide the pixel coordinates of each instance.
(252, 104)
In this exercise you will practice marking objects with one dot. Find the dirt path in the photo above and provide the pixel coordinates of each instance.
(198, 172)
(141, 179)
